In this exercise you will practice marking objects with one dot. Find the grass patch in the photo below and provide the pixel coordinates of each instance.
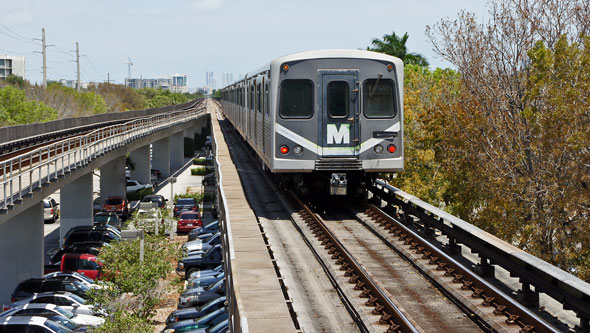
(201, 171)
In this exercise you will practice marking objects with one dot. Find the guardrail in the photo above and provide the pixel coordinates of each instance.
(23, 174)
(570, 291)
(14, 135)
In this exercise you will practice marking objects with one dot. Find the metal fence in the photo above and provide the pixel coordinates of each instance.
(23, 174)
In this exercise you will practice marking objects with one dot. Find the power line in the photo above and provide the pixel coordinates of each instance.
(18, 38)
(93, 67)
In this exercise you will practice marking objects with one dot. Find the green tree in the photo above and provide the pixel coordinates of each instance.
(15, 109)
(396, 46)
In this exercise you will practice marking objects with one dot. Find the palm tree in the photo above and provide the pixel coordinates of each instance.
(396, 46)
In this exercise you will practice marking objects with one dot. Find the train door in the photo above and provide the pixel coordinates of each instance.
(339, 113)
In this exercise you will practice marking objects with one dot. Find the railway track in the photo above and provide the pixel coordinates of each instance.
(409, 283)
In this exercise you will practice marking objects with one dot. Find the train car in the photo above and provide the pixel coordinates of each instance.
(322, 120)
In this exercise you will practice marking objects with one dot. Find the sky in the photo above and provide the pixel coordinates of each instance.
(193, 36)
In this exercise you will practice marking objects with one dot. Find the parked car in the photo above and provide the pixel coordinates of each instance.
(97, 205)
(204, 281)
(91, 235)
(209, 319)
(221, 327)
(156, 173)
(74, 249)
(209, 259)
(208, 142)
(37, 285)
(204, 231)
(155, 198)
(185, 205)
(134, 185)
(201, 295)
(196, 312)
(85, 264)
(201, 245)
(11, 324)
(73, 275)
(108, 218)
(209, 179)
(189, 221)
(66, 300)
(205, 272)
(118, 205)
(50, 210)
(49, 310)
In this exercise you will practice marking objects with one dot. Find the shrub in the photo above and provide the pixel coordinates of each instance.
(200, 197)
(200, 161)
(138, 195)
(200, 171)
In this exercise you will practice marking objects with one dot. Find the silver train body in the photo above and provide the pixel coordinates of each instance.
(322, 118)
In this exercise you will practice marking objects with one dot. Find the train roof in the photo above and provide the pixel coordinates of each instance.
(319, 54)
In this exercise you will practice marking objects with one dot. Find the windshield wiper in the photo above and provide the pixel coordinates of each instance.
(375, 86)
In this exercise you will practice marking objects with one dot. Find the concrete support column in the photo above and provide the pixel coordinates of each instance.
(161, 156)
(76, 204)
(141, 161)
(176, 151)
(112, 178)
(21, 250)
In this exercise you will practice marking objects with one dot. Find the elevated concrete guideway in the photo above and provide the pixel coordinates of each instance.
(68, 168)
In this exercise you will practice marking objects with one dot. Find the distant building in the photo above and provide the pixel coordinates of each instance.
(176, 83)
(12, 65)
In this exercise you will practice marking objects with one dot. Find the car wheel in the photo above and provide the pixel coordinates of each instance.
(54, 218)
(190, 271)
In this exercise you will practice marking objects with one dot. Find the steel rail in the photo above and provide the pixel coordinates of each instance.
(391, 315)
(516, 314)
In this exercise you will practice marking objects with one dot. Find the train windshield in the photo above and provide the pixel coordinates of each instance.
(338, 97)
(379, 98)
(296, 99)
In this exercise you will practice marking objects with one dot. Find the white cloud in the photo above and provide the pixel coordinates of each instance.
(207, 4)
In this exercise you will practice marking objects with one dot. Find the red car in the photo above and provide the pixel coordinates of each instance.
(189, 221)
(116, 204)
(83, 263)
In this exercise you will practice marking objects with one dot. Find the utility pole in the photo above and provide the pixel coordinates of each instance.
(129, 64)
(44, 47)
(78, 67)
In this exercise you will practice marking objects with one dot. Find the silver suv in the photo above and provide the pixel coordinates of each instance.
(50, 209)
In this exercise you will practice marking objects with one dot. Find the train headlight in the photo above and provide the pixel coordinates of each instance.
(389, 67)
(284, 149)
(298, 150)
(378, 149)
(391, 149)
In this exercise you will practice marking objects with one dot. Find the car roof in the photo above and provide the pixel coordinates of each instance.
(23, 320)
(35, 306)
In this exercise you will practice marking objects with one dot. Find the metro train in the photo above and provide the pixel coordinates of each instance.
(325, 120)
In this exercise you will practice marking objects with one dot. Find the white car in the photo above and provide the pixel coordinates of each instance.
(50, 209)
(47, 310)
(30, 324)
(75, 275)
(66, 300)
(134, 185)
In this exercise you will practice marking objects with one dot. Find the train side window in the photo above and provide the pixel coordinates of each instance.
(252, 98)
(337, 97)
(296, 99)
(266, 92)
(379, 98)
(258, 99)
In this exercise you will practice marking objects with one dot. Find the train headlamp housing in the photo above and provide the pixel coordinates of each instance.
(391, 149)
(389, 67)
(298, 150)
(378, 149)
(285, 67)
(284, 149)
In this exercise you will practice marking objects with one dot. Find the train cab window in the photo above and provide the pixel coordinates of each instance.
(379, 98)
(266, 92)
(258, 104)
(337, 99)
(296, 99)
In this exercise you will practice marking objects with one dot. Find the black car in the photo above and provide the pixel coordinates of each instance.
(207, 230)
(209, 259)
(35, 285)
(185, 205)
(108, 218)
(155, 198)
(76, 248)
(90, 235)
(209, 179)
(201, 295)
(207, 320)
(196, 312)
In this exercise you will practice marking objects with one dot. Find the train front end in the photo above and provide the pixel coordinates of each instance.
(339, 118)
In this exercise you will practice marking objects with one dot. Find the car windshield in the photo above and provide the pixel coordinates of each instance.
(189, 216)
(185, 201)
(212, 302)
(208, 239)
(63, 321)
(210, 315)
(104, 218)
(211, 225)
(81, 286)
(113, 201)
(220, 325)
(78, 299)
(214, 286)
(64, 312)
(85, 278)
(46, 204)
